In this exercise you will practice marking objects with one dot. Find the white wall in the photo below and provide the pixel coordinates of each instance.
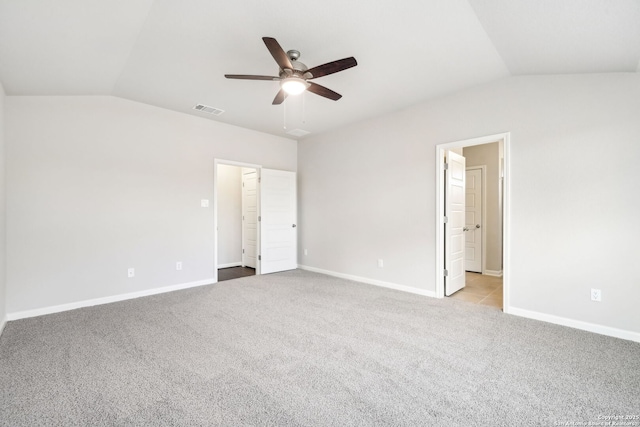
(229, 215)
(3, 305)
(489, 156)
(367, 191)
(96, 185)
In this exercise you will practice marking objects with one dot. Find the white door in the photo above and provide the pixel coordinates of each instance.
(454, 211)
(249, 217)
(278, 228)
(473, 221)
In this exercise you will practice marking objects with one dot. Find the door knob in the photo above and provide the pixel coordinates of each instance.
(293, 225)
(465, 229)
(477, 225)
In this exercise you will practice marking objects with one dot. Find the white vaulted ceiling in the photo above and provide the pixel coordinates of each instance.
(174, 54)
(560, 36)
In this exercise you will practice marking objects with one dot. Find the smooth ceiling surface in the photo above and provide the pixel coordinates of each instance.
(68, 47)
(175, 54)
(566, 36)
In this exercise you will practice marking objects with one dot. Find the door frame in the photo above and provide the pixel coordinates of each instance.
(504, 140)
(258, 169)
(483, 169)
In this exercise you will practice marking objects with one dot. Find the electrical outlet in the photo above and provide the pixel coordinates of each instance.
(131, 272)
(179, 265)
(306, 252)
(380, 263)
(596, 295)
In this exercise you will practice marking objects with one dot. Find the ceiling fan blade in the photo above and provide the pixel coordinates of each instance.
(332, 67)
(280, 97)
(323, 91)
(249, 77)
(278, 53)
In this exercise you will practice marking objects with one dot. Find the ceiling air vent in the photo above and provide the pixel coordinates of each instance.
(298, 132)
(208, 109)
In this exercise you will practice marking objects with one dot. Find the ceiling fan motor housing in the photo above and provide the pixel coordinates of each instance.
(298, 68)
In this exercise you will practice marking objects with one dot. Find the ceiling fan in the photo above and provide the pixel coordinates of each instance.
(294, 76)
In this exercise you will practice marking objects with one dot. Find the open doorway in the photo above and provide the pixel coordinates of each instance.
(236, 210)
(274, 235)
(479, 231)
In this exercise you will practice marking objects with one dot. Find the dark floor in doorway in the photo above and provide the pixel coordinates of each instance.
(235, 273)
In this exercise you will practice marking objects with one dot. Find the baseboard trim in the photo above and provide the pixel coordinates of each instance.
(105, 300)
(4, 322)
(496, 273)
(563, 321)
(577, 324)
(230, 264)
(368, 281)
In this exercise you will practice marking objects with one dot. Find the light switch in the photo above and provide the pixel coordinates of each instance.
(204, 203)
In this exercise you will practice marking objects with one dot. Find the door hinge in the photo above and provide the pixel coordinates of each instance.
(259, 257)
(243, 217)
(446, 273)
(259, 218)
(446, 220)
(259, 179)
(446, 166)
(243, 251)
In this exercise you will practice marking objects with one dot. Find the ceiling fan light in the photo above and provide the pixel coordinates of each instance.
(294, 85)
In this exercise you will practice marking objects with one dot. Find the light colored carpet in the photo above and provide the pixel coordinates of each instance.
(303, 349)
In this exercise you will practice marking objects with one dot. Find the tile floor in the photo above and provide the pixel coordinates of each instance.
(480, 289)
